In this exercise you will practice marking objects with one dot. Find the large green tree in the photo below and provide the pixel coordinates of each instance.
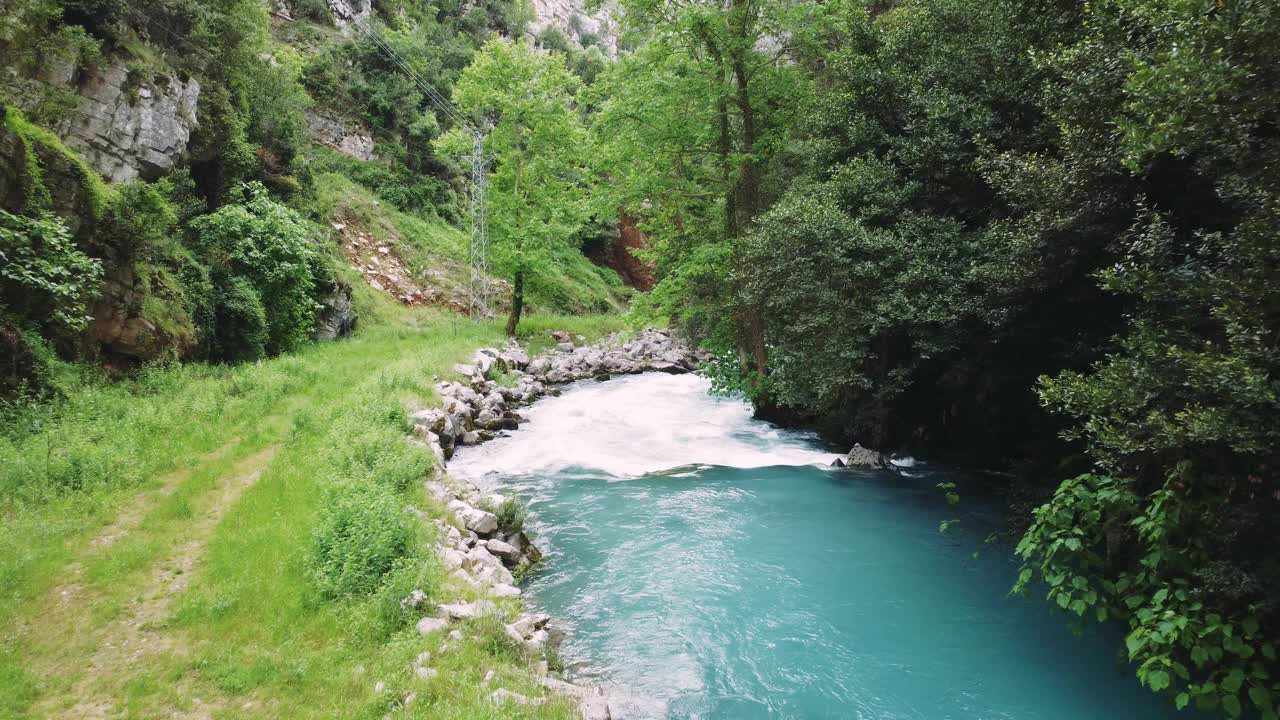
(537, 196)
(689, 128)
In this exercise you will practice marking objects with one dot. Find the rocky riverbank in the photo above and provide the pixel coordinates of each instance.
(482, 543)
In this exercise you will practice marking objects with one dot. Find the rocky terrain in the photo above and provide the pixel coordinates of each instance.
(484, 546)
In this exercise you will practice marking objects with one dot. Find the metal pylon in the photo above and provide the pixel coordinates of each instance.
(480, 288)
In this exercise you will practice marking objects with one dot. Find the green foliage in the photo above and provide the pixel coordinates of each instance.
(536, 204)
(1178, 640)
(360, 535)
(555, 39)
(511, 513)
(976, 195)
(264, 265)
(313, 10)
(44, 278)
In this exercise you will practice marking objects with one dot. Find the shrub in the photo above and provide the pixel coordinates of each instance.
(44, 278)
(511, 513)
(553, 38)
(360, 535)
(259, 247)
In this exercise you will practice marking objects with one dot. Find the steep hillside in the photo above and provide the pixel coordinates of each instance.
(216, 124)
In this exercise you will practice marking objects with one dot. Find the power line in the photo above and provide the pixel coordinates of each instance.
(434, 95)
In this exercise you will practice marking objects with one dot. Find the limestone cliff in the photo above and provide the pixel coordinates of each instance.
(573, 17)
(131, 123)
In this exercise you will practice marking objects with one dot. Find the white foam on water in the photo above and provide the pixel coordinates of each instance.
(637, 425)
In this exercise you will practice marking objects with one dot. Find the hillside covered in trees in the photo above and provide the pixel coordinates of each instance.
(1037, 237)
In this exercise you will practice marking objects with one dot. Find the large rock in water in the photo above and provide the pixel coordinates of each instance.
(131, 123)
(865, 458)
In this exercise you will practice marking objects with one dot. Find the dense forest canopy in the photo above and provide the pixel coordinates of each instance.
(1017, 230)
(1040, 236)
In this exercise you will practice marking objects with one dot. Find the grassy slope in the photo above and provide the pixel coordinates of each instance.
(154, 534)
(571, 284)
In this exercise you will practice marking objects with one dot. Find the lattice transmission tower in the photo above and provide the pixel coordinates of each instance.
(481, 289)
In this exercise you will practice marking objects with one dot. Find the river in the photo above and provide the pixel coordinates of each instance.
(712, 567)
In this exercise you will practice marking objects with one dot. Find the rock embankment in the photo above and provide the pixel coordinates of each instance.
(496, 382)
(482, 542)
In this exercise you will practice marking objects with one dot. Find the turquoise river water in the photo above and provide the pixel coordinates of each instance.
(710, 566)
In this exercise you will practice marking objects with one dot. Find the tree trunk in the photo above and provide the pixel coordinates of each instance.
(517, 303)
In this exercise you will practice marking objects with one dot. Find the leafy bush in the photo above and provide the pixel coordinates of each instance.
(393, 609)
(313, 10)
(261, 258)
(361, 534)
(511, 513)
(553, 38)
(44, 278)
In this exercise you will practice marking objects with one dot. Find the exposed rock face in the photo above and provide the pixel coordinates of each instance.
(335, 134)
(350, 12)
(338, 316)
(121, 330)
(635, 272)
(129, 126)
(575, 20)
(618, 255)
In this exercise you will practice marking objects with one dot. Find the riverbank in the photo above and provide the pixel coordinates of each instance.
(157, 531)
(482, 540)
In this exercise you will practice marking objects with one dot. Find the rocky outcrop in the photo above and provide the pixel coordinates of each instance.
(121, 328)
(618, 254)
(337, 135)
(577, 21)
(865, 459)
(349, 13)
(337, 316)
(132, 123)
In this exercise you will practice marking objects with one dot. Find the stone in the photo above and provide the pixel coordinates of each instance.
(526, 625)
(454, 559)
(337, 316)
(505, 590)
(426, 673)
(333, 133)
(481, 557)
(479, 521)
(423, 658)
(470, 437)
(837, 463)
(564, 347)
(426, 626)
(503, 550)
(864, 458)
(669, 368)
(456, 635)
(467, 611)
(560, 336)
(539, 366)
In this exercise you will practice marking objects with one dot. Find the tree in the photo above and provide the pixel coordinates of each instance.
(537, 197)
(689, 127)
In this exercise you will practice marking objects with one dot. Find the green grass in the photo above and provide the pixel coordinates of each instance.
(436, 252)
(220, 578)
